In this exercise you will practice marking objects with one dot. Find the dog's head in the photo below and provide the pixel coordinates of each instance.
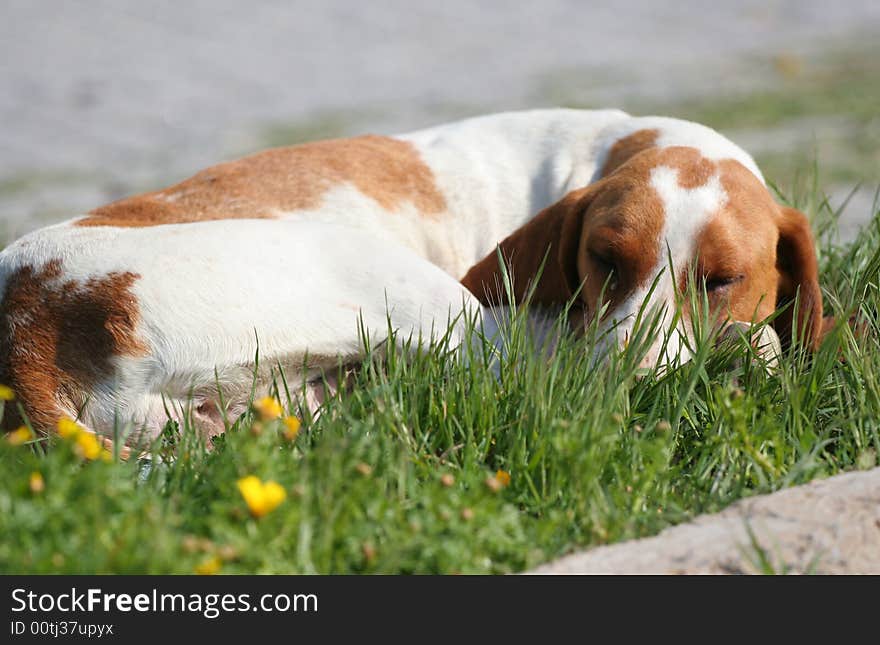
(657, 220)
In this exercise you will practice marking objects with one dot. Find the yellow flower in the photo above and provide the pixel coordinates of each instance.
(261, 498)
(6, 393)
(209, 566)
(68, 428)
(36, 483)
(268, 408)
(503, 477)
(291, 428)
(19, 436)
(88, 446)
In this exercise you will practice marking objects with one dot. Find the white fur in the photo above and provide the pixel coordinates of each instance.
(207, 291)
(210, 294)
(498, 171)
(687, 212)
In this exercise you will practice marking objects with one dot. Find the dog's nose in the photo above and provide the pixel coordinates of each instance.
(764, 341)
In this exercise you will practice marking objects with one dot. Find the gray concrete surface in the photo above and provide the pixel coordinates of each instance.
(830, 526)
(100, 98)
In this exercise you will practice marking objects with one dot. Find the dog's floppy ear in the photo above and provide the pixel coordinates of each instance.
(798, 275)
(552, 234)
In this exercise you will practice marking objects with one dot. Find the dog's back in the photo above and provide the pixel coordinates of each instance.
(126, 323)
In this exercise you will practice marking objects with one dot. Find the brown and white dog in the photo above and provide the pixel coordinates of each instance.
(155, 302)
(659, 215)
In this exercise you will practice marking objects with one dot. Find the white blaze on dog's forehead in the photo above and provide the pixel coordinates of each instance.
(686, 212)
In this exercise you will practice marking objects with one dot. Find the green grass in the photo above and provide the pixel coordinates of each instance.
(836, 93)
(397, 475)
(793, 109)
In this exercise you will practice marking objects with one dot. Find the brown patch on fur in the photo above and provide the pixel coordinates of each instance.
(624, 149)
(798, 272)
(740, 240)
(695, 172)
(624, 229)
(615, 225)
(58, 339)
(619, 242)
(772, 248)
(260, 186)
(551, 234)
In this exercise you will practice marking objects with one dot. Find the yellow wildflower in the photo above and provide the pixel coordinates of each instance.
(88, 446)
(36, 483)
(291, 428)
(68, 428)
(261, 498)
(268, 408)
(19, 436)
(209, 567)
(6, 393)
(503, 477)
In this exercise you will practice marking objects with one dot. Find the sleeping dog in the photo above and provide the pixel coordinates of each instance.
(166, 296)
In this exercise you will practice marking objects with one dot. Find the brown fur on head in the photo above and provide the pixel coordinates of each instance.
(615, 235)
(798, 276)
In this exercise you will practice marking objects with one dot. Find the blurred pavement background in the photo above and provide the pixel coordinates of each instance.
(103, 98)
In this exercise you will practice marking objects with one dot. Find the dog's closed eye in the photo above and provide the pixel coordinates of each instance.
(717, 284)
(607, 268)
